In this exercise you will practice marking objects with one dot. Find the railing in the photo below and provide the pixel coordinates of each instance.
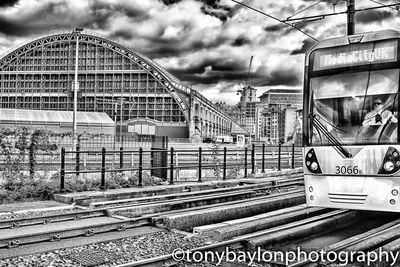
(200, 160)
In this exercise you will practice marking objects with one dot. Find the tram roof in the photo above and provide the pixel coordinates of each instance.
(344, 40)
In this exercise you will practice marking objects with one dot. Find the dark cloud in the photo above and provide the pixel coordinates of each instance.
(124, 34)
(221, 71)
(240, 41)
(100, 14)
(215, 12)
(44, 18)
(161, 47)
(282, 77)
(322, 1)
(275, 28)
(210, 7)
(8, 3)
(169, 2)
(373, 16)
(13, 28)
(306, 45)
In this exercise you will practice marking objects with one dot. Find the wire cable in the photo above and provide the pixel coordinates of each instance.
(272, 17)
(383, 4)
(304, 9)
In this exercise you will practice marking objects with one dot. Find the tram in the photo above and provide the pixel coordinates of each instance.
(351, 139)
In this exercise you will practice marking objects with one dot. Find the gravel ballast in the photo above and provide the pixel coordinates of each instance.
(116, 252)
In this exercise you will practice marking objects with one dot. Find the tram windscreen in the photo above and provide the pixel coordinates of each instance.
(356, 108)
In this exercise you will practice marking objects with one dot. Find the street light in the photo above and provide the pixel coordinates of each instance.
(76, 32)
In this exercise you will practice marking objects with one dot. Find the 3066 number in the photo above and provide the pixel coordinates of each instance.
(347, 170)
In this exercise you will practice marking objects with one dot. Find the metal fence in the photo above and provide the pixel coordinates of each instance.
(217, 162)
(50, 161)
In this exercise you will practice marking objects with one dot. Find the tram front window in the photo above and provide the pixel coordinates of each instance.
(347, 106)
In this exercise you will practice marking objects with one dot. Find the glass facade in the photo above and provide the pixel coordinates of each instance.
(41, 76)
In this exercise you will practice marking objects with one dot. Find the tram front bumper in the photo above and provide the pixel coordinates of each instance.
(353, 192)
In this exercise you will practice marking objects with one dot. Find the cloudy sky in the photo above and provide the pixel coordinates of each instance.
(207, 44)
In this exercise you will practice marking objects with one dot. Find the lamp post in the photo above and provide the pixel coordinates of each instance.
(76, 32)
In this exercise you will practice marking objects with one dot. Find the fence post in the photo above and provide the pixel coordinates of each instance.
(263, 158)
(62, 173)
(224, 170)
(253, 159)
(171, 169)
(77, 160)
(199, 171)
(292, 156)
(140, 166)
(121, 157)
(103, 169)
(245, 162)
(279, 157)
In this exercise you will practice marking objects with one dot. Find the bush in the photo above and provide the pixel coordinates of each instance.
(19, 187)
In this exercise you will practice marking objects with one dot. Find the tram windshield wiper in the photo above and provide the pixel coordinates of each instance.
(336, 144)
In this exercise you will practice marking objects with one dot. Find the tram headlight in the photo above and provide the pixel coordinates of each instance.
(311, 162)
(314, 166)
(395, 192)
(391, 161)
(389, 166)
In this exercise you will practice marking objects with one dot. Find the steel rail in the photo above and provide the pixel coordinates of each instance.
(237, 242)
(256, 188)
(50, 218)
(201, 199)
(58, 234)
(387, 227)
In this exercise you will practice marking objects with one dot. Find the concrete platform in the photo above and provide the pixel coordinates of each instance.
(186, 221)
(85, 198)
(230, 229)
(32, 205)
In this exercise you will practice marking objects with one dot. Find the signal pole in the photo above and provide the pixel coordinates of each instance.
(351, 17)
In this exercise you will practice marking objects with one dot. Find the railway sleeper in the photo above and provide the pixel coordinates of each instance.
(56, 237)
(90, 232)
(13, 243)
(14, 225)
(47, 221)
(121, 227)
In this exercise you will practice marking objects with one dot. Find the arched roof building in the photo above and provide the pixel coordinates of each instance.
(113, 78)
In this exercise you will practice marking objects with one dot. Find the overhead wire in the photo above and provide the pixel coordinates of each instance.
(304, 9)
(272, 17)
(383, 4)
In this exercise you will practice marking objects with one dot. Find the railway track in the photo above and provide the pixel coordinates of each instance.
(383, 237)
(15, 233)
(239, 242)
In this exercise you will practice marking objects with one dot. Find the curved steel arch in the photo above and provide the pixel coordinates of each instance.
(170, 82)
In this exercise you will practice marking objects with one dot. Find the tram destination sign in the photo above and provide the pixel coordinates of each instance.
(355, 54)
